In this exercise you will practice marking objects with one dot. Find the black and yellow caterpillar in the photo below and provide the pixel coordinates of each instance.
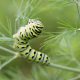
(22, 37)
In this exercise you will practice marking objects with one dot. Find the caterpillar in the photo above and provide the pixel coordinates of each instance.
(21, 43)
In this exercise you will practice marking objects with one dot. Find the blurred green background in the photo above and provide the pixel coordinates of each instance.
(60, 38)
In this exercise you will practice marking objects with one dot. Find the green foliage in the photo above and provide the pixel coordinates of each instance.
(60, 38)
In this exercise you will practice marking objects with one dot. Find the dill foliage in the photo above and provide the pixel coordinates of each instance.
(60, 39)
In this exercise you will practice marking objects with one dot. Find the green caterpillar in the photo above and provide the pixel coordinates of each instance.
(22, 37)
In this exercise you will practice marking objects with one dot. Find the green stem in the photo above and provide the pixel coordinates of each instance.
(64, 68)
(51, 65)
(8, 50)
(16, 55)
(7, 62)
(77, 6)
(76, 78)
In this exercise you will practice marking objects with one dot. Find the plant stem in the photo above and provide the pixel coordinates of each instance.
(77, 6)
(64, 68)
(51, 65)
(8, 50)
(16, 55)
(7, 62)
(75, 78)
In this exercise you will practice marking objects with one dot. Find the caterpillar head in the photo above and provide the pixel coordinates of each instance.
(36, 23)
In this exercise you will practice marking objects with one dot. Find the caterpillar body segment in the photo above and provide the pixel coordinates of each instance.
(20, 47)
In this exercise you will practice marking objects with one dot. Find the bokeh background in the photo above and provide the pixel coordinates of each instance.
(60, 38)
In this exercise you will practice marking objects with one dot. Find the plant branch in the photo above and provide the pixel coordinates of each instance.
(16, 55)
(8, 50)
(51, 65)
(64, 68)
(7, 62)
(75, 78)
(77, 6)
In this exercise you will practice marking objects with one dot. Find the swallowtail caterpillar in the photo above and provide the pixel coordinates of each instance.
(21, 43)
